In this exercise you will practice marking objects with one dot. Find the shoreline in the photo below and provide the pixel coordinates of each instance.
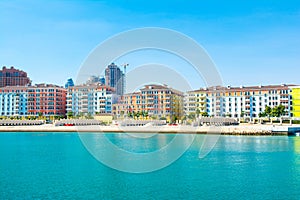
(250, 129)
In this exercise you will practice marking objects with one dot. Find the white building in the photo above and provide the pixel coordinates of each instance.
(240, 101)
(90, 99)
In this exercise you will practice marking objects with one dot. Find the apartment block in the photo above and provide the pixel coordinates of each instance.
(195, 101)
(240, 101)
(295, 107)
(156, 100)
(13, 101)
(40, 99)
(46, 99)
(90, 99)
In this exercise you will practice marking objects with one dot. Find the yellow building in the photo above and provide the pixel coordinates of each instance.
(296, 101)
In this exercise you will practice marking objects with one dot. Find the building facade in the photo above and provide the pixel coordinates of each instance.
(240, 101)
(155, 100)
(295, 109)
(40, 99)
(195, 102)
(13, 77)
(46, 100)
(90, 99)
(115, 78)
(13, 101)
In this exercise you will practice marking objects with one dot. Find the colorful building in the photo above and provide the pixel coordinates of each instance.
(195, 102)
(40, 99)
(155, 100)
(240, 101)
(295, 93)
(90, 99)
(46, 100)
(13, 101)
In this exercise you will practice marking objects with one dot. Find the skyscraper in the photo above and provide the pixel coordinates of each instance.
(114, 78)
(69, 83)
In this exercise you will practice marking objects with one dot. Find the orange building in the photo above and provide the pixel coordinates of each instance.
(155, 100)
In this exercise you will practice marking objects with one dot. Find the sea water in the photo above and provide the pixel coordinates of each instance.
(58, 166)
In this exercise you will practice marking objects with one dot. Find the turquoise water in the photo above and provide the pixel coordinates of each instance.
(57, 166)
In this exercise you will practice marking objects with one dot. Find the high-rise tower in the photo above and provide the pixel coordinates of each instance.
(13, 77)
(114, 77)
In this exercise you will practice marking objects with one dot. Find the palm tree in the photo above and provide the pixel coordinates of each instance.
(197, 112)
(137, 114)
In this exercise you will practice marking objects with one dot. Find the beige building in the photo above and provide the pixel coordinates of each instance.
(156, 101)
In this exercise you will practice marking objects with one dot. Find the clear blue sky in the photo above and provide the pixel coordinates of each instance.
(251, 42)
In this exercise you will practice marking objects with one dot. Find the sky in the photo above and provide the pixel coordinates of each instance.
(250, 42)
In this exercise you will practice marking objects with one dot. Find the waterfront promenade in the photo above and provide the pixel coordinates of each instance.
(247, 129)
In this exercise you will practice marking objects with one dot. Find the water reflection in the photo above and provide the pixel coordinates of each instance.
(136, 155)
(254, 144)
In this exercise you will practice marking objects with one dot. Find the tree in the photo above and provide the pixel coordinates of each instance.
(174, 119)
(40, 115)
(281, 110)
(228, 115)
(144, 114)
(129, 114)
(137, 115)
(204, 114)
(197, 112)
(191, 116)
(89, 116)
(278, 111)
(79, 115)
(242, 113)
(70, 115)
(134, 114)
(262, 114)
(268, 111)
